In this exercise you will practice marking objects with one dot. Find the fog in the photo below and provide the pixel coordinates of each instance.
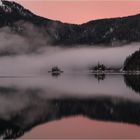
(68, 59)
(22, 38)
(28, 53)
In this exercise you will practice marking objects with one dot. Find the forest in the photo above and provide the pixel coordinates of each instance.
(132, 62)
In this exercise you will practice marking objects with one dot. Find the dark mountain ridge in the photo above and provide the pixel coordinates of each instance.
(113, 31)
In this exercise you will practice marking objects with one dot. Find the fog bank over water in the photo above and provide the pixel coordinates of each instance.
(69, 59)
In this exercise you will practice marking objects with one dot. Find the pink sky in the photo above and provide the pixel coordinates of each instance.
(82, 11)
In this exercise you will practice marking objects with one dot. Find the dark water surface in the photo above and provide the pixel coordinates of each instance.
(70, 106)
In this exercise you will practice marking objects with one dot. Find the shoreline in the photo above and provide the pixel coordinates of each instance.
(118, 72)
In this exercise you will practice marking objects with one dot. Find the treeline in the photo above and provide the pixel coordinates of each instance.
(132, 62)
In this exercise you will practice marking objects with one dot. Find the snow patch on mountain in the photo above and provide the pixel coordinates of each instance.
(5, 8)
(15, 8)
(0, 3)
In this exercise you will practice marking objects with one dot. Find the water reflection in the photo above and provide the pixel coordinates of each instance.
(56, 74)
(9, 131)
(100, 77)
(107, 109)
(28, 102)
(133, 81)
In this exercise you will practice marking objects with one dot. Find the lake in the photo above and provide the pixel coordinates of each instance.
(70, 105)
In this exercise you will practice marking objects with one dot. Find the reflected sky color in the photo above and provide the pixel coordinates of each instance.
(80, 127)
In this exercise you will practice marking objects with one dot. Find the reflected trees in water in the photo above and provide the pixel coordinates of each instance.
(100, 77)
(133, 81)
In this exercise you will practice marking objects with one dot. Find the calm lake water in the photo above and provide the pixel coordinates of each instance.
(70, 106)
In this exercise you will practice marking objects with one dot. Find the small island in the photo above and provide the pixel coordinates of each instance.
(102, 69)
(99, 69)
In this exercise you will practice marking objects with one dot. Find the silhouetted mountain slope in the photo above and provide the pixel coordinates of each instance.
(113, 31)
(11, 12)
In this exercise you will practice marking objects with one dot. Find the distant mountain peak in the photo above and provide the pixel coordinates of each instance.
(5, 8)
(10, 7)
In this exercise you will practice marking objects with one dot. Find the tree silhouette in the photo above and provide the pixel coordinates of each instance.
(132, 62)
